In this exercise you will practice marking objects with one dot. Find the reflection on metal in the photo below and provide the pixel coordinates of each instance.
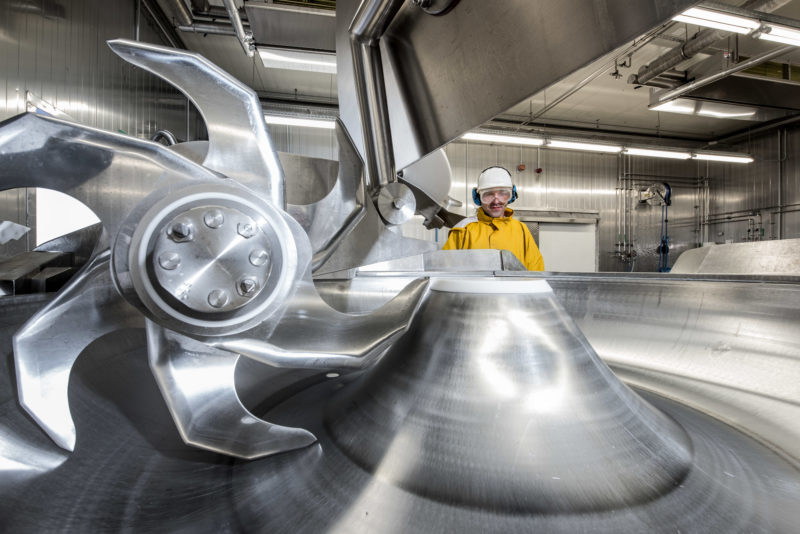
(535, 408)
(457, 404)
(437, 83)
(760, 257)
(200, 255)
(430, 179)
(46, 347)
(197, 381)
(396, 203)
(239, 145)
(454, 424)
(483, 261)
(366, 31)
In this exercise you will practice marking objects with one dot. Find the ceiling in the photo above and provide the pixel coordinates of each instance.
(597, 100)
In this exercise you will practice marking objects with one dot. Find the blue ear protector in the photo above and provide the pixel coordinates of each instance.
(476, 198)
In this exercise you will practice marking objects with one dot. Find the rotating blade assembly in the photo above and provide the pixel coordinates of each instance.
(205, 255)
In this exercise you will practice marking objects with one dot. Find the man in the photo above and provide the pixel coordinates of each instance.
(494, 225)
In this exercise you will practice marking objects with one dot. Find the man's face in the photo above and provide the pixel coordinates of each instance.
(494, 201)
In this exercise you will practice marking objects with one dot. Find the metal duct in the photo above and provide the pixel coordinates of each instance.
(696, 44)
(445, 75)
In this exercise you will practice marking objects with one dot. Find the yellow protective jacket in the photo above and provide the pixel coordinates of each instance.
(500, 233)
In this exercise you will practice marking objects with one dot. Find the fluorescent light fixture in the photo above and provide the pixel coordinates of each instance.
(679, 105)
(729, 158)
(503, 139)
(726, 114)
(715, 19)
(717, 110)
(588, 147)
(280, 58)
(780, 34)
(657, 153)
(328, 124)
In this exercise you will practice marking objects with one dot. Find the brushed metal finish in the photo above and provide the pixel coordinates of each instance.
(46, 347)
(766, 258)
(437, 83)
(89, 164)
(239, 144)
(147, 479)
(208, 413)
(495, 400)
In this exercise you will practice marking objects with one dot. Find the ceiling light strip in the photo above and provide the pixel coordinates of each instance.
(575, 144)
(327, 124)
(503, 139)
(587, 147)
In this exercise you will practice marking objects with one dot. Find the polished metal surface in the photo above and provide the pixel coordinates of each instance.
(396, 203)
(760, 257)
(515, 412)
(461, 404)
(366, 30)
(437, 83)
(199, 255)
(428, 399)
(239, 144)
(46, 347)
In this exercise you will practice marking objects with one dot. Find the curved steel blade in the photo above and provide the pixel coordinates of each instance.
(88, 164)
(310, 328)
(197, 382)
(239, 145)
(46, 347)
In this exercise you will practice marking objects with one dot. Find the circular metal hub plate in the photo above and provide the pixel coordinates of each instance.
(217, 262)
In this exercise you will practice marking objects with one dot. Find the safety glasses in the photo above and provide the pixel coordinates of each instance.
(502, 194)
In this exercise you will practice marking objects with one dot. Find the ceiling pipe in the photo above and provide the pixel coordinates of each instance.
(696, 44)
(245, 37)
(660, 98)
(208, 28)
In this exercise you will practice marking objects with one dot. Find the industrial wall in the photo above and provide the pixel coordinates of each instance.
(606, 183)
(55, 50)
(761, 200)
(609, 184)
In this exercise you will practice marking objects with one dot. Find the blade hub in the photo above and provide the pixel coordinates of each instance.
(213, 272)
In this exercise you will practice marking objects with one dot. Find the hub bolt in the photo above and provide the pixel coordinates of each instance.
(218, 298)
(213, 218)
(259, 257)
(246, 230)
(181, 232)
(247, 287)
(169, 260)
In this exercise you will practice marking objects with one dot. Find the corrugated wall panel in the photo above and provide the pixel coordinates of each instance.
(583, 181)
(745, 199)
(57, 50)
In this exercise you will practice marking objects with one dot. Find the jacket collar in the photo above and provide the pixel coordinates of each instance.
(507, 214)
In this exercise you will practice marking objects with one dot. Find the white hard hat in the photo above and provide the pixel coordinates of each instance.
(494, 177)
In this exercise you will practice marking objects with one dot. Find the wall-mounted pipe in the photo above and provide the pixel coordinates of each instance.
(245, 37)
(369, 24)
